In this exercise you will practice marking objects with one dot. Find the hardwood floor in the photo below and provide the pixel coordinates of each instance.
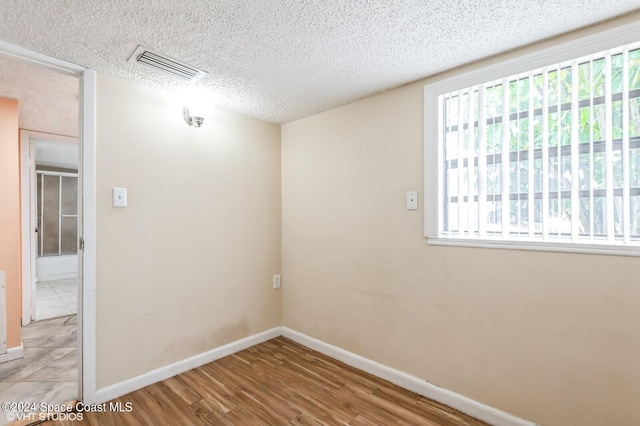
(278, 382)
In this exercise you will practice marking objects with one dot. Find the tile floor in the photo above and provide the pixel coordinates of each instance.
(56, 298)
(49, 370)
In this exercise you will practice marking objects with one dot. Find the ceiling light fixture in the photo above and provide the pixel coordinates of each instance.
(191, 121)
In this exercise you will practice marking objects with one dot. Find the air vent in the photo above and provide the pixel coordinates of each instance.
(158, 62)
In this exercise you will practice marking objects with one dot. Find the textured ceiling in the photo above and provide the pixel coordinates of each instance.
(47, 101)
(280, 60)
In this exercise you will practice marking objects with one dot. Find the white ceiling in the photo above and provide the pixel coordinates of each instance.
(280, 60)
(47, 100)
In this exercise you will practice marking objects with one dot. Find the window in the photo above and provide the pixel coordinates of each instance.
(548, 155)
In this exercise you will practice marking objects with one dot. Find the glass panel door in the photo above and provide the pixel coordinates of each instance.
(57, 213)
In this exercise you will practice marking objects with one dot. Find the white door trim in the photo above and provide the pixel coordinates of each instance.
(87, 217)
(38, 59)
(27, 200)
(28, 255)
(87, 256)
(3, 318)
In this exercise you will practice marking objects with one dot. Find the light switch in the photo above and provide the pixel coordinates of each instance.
(412, 200)
(119, 197)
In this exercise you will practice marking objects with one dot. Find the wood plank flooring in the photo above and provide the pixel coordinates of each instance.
(278, 382)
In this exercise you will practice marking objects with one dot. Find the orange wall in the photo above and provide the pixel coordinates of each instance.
(10, 216)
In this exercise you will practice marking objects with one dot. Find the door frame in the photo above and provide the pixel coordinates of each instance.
(28, 213)
(86, 214)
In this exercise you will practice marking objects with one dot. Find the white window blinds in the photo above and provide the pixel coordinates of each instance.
(552, 154)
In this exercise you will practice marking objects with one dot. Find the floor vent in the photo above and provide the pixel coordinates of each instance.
(158, 62)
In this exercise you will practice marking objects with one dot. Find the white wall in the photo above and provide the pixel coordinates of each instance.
(56, 267)
(187, 266)
(550, 337)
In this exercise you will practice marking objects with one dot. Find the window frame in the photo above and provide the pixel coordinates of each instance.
(528, 58)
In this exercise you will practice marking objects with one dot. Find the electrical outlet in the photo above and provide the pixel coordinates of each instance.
(276, 281)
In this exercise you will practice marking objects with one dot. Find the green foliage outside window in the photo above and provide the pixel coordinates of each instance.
(525, 125)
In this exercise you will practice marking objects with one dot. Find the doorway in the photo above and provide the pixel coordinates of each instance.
(54, 200)
(85, 388)
(47, 206)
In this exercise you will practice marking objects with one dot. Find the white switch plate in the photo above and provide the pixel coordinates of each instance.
(412, 200)
(119, 197)
(276, 281)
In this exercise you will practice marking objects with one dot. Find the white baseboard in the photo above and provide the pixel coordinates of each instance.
(462, 403)
(154, 376)
(12, 354)
(469, 406)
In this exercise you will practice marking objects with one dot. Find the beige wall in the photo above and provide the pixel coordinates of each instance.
(187, 267)
(550, 337)
(10, 216)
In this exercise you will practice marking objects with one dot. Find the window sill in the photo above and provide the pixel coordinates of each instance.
(538, 246)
